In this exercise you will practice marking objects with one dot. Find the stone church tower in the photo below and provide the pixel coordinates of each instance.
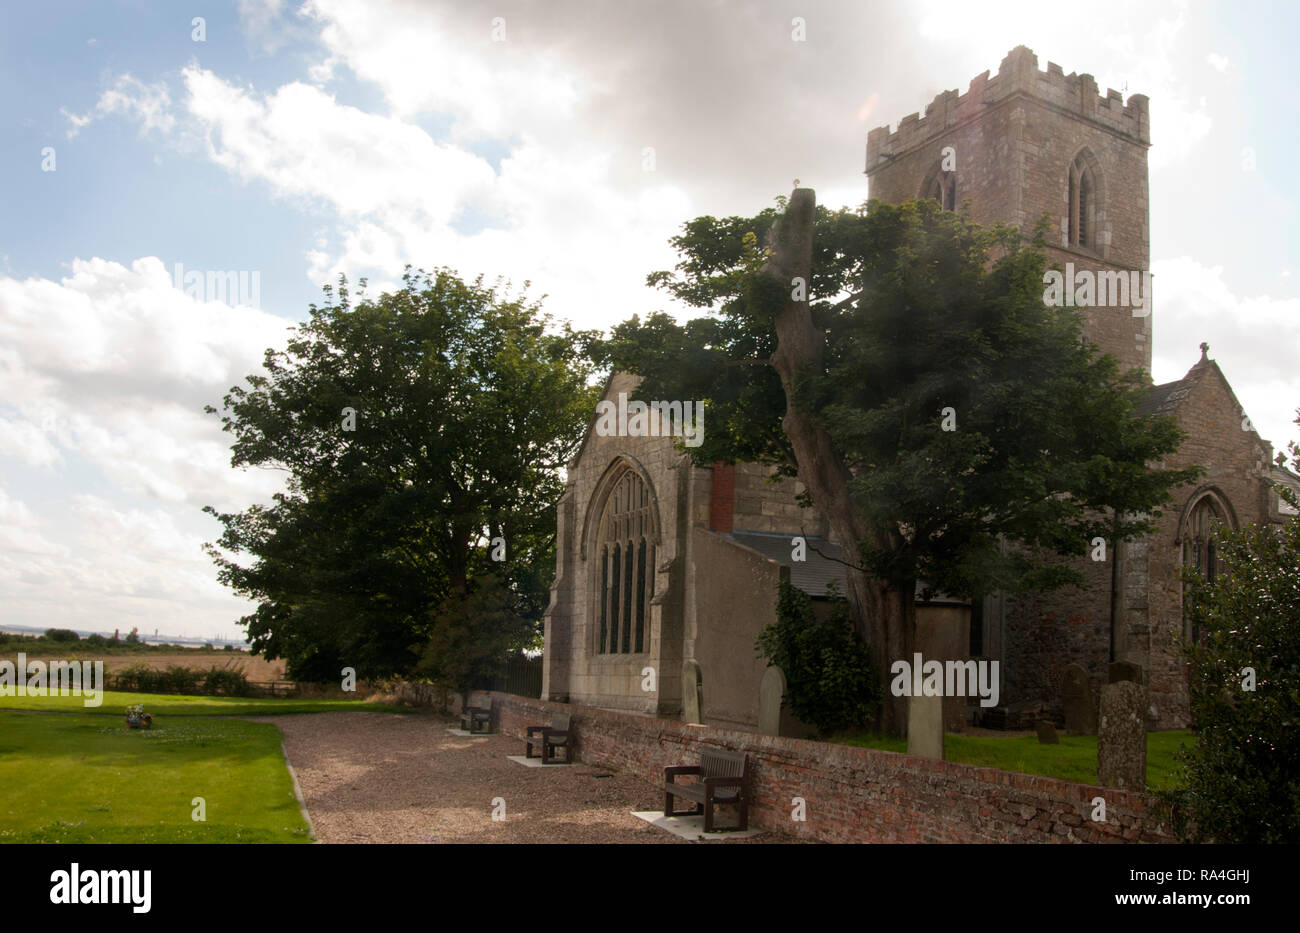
(1018, 146)
(1027, 143)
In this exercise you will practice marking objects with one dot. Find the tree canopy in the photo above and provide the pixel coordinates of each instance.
(422, 433)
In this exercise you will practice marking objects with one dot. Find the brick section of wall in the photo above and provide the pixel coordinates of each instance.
(722, 502)
(857, 794)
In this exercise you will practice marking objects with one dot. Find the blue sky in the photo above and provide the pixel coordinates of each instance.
(303, 140)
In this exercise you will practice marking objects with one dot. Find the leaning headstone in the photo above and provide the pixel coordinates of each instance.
(1126, 670)
(771, 691)
(1122, 738)
(925, 726)
(1046, 732)
(1077, 700)
(692, 692)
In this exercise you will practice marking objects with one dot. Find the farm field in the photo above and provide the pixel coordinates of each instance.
(253, 667)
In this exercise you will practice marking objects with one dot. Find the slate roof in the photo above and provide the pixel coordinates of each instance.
(1163, 399)
(810, 575)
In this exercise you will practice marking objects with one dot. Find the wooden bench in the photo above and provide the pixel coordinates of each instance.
(470, 716)
(721, 777)
(555, 736)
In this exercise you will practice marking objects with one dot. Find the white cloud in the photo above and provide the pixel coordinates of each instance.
(1255, 340)
(109, 368)
(148, 104)
(401, 197)
(1218, 62)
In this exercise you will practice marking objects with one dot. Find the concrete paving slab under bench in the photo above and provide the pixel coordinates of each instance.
(470, 735)
(691, 826)
(536, 762)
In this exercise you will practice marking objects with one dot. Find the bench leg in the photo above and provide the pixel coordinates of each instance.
(744, 813)
(708, 815)
(668, 803)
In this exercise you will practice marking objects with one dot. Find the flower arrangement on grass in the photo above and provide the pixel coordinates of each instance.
(137, 718)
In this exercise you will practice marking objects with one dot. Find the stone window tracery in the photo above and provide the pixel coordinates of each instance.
(625, 567)
(1200, 550)
(942, 186)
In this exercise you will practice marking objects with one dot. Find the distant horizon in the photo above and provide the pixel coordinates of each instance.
(181, 640)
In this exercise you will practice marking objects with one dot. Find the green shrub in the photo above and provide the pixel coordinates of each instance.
(96, 641)
(1242, 784)
(174, 679)
(830, 681)
(61, 634)
(225, 683)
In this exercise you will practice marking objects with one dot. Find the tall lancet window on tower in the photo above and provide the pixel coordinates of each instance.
(1083, 204)
(942, 186)
(625, 550)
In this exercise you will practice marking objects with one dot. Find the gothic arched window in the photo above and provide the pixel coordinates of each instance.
(1083, 204)
(942, 186)
(624, 548)
(1200, 549)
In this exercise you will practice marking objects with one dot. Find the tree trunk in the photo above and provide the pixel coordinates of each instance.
(885, 616)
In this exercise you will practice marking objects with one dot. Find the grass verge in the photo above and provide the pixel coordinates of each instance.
(1075, 759)
(87, 778)
(165, 704)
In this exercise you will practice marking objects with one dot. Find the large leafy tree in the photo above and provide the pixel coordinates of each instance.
(416, 429)
(901, 362)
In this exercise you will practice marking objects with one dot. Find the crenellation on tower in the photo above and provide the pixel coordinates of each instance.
(1017, 75)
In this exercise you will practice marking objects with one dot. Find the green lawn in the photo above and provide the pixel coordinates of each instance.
(1075, 759)
(165, 704)
(87, 778)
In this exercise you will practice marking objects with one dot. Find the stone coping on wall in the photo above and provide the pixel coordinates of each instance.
(853, 794)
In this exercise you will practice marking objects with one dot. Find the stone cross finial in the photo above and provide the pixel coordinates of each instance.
(1205, 348)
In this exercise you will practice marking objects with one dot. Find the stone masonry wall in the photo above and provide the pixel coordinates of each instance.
(857, 794)
(1236, 460)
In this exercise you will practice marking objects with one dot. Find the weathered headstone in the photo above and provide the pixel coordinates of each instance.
(1046, 732)
(771, 691)
(1126, 670)
(1077, 699)
(692, 692)
(925, 726)
(1122, 738)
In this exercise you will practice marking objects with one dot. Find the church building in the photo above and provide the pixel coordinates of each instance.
(666, 573)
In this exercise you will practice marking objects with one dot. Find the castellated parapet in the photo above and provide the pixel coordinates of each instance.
(1075, 94)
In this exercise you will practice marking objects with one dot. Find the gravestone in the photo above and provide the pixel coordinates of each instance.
(925, 726)
(771, 691)
(1046, 732)
(1126, 670)
(692, 692)
(1122, 737)
(1077, 699)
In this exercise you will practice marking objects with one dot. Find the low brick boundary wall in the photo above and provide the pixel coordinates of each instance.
(856, 794)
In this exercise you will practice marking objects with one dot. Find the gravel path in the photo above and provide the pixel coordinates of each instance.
(383, 777)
